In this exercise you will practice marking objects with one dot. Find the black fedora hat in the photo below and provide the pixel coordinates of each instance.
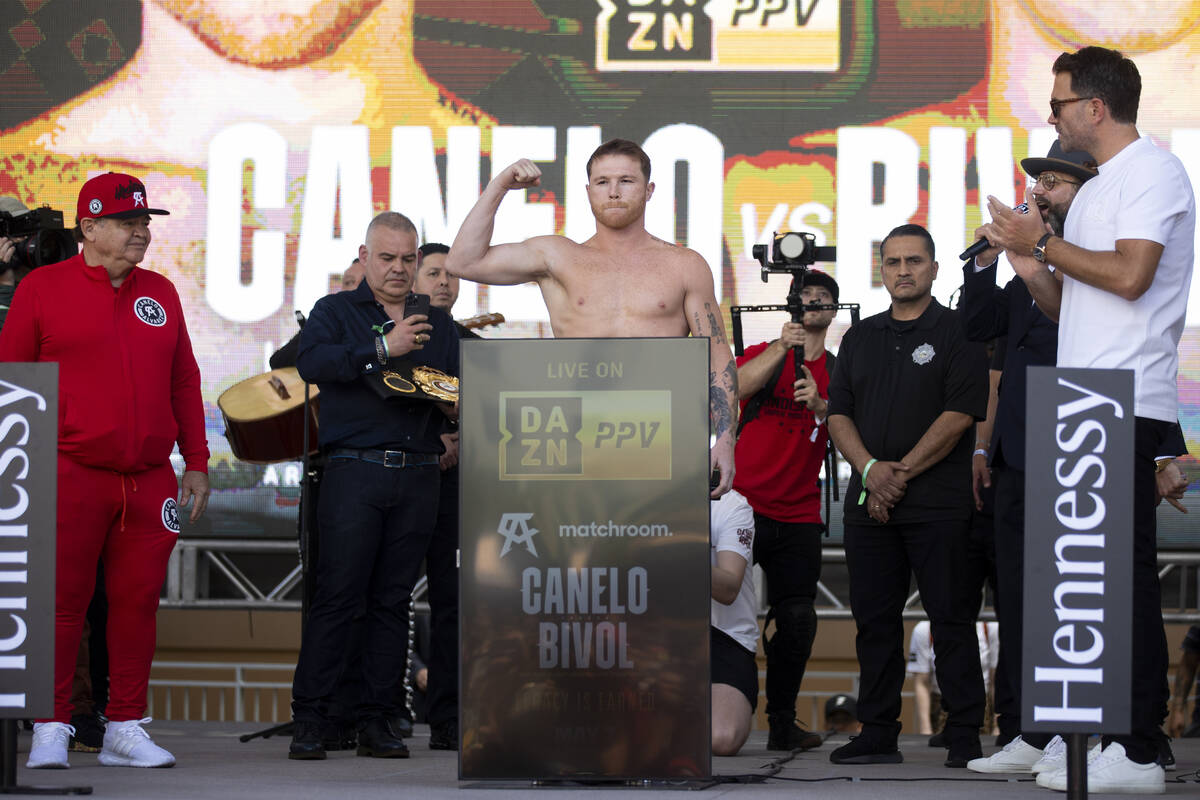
(1077, 163)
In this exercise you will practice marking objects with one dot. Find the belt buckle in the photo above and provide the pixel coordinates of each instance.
(394, 458)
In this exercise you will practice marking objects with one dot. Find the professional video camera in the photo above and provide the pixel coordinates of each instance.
(40, 237)
(791, 253)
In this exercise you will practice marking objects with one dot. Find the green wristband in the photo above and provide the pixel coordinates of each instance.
(863, 497)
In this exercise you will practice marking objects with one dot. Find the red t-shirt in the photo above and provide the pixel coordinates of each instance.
(780, 451)
(129, 387)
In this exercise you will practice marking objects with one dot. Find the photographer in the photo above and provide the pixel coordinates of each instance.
(28, 239)
(8, 257)
(780, 448)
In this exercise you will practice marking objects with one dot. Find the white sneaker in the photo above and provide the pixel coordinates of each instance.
(1054, 757)
(49, 749)
(1113, 772)
(1017, 756)
(126, 744)
(1054, 760)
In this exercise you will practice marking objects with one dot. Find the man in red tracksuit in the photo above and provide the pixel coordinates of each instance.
(129, 389)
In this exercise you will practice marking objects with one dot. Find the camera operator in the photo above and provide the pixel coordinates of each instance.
(780, 448)
(8, 257)
(28, 239)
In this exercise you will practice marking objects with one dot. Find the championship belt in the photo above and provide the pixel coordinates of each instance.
(405, 381)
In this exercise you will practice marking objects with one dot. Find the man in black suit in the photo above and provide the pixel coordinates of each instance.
(1031, 339)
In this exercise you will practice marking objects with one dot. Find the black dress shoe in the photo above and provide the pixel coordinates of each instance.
(939, 739)
(866, 750)
(787, 734)
(376, 739)
(960, 755)
(964, 746)
(444, 735)
(401, 726)
(306, 742)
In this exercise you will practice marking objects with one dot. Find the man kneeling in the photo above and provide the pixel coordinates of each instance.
(734, 629)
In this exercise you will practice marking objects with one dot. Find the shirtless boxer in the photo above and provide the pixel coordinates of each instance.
(621, 282)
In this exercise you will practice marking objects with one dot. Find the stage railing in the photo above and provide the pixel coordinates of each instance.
(220, 691)
(196, 564)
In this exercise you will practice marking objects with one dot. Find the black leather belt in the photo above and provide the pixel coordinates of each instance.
(398, 459)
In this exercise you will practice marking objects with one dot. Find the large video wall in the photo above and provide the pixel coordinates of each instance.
(274, 130)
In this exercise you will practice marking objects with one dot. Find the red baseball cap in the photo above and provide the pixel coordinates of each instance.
(115, 195)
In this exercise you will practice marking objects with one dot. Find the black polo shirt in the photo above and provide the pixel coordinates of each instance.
(337, 348)
(894, 379)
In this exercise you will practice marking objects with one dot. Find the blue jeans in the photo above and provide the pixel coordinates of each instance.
(375, 523)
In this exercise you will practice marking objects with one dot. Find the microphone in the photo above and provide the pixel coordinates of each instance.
(300, 319)
(982, 244)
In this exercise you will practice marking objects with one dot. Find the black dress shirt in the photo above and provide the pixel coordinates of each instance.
(337, 348)
(893, 379)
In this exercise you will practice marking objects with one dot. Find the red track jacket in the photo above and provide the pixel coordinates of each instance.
(128, 382)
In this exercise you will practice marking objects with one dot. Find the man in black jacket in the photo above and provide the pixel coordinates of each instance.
(1031, 339)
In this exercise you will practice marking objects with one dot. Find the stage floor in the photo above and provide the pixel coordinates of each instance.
(212, 763)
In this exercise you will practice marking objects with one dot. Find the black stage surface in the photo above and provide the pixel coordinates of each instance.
(212, 763)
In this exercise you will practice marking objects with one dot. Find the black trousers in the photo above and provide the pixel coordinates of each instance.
(790, 556)
(441, 567)
(1010, 599)
(1150, 658)
(880, 560)
(375, 526)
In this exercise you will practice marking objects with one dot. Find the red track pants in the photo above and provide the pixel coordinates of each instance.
(132, 522)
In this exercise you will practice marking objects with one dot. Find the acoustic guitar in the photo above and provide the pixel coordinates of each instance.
(264, 415)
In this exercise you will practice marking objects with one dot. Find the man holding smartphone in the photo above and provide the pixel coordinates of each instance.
(380, 487)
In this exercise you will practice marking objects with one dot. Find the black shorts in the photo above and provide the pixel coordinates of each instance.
(733, 665)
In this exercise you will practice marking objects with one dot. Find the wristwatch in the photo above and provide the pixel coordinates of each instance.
(1039, 249)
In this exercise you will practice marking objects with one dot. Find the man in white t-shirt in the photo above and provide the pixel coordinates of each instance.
(926, 695)
(1122, 272)
(734, 620)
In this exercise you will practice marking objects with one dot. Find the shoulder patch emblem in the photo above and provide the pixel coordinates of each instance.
(923, 354)
(150, 312)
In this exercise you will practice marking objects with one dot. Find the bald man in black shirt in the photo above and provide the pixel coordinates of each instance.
(904, 397)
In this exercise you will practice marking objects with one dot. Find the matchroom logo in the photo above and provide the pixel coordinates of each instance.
(600, 435)
(718, 35)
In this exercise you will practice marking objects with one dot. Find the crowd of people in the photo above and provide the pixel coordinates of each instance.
(1103, 264)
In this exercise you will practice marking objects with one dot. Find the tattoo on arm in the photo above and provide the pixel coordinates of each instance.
(716, 330)
(719, 394)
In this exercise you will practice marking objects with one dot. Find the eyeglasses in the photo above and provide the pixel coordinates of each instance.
(1049, 180)
(1056, 105)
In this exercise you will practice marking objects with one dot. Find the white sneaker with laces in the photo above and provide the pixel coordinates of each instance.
(126, 744)
(1017, 756)
(1054, 760)
(1054, 757)
(49, 749)
(1113, 772)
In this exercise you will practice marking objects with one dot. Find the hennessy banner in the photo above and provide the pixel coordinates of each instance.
(28, 473)
(584, 610)
(1078, 551)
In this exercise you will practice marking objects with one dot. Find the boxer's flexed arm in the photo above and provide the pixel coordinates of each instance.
(472, 256)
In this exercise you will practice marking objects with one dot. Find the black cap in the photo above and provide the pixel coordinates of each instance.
(841, 703)
(814, 277)
(1077, 163)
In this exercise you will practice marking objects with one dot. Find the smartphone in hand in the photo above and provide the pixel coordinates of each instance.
(416, 304)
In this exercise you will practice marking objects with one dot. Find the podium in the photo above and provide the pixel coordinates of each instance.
(29, 468)
(584, 579)
(1078, 572)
